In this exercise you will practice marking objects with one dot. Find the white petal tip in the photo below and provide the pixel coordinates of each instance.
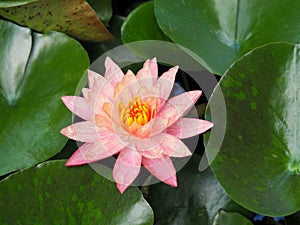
(122, 188)
(206, 125)
(66, 99)
(172, 181)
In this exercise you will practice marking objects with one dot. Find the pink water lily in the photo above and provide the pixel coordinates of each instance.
(132, 115)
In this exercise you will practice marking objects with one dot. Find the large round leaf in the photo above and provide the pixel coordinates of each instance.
(196, 200)
(141, 25)
(222, 31)
(258, 163)
(36, 70)
(52, 193)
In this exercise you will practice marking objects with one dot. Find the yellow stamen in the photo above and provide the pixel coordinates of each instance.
(137, 111)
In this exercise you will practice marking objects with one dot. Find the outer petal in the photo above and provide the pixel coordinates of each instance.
(113, 73)
(189, 127)
(153, 68)
(178, 106)
(166, 82)
(95, 80)
(90, 97)
(91, 152)
(172, 146)
(147, 76)
(78, 106)
(162, 168)
(104, 118)
(85, 131)
(98, 86)
(126, 168)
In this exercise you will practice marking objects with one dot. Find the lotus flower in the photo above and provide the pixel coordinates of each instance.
(132, 115)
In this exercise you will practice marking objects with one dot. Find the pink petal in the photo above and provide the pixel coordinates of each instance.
(127, 168)
(178, 106)
(78, 106)
(174, 147)
(90, 97)
(91, 152)
(113, 73)
(153, 68)
(166, 82)
(153, 127)
(100, 85)
(147, 76)
(85, 131)
(95, 100)
(162, 168)
(127, 90)
(128, 78)
(147, 147)
(189, 127)
(104, 118)
(94, 78)
(154, 154)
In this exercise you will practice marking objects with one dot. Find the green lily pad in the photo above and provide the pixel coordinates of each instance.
(230, 218)
(74, 17)
(220, 32)
(12, 3)
(141, 25)
(196, 200)
(258, 163)
(51, 193)
(36, 70)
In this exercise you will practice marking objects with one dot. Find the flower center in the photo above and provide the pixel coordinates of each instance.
(137, 111)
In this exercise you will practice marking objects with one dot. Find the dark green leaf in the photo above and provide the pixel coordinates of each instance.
(222, 31)
(32, 112)
(141, 25)
(12, 3)
(196, 200)
(230, 218)
(103, 9)
(52, 193)
(74, 17)
(258, 163)
(293, 219)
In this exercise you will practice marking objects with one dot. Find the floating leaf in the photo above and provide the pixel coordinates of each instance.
(196, 200)
(74, 17)
(52, 193)
(12, 3)
(230, 218)
(220, 31)
(258, 163)
(36, 70)
(141, 25)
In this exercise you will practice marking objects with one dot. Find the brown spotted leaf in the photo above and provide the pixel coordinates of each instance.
(74, 17)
